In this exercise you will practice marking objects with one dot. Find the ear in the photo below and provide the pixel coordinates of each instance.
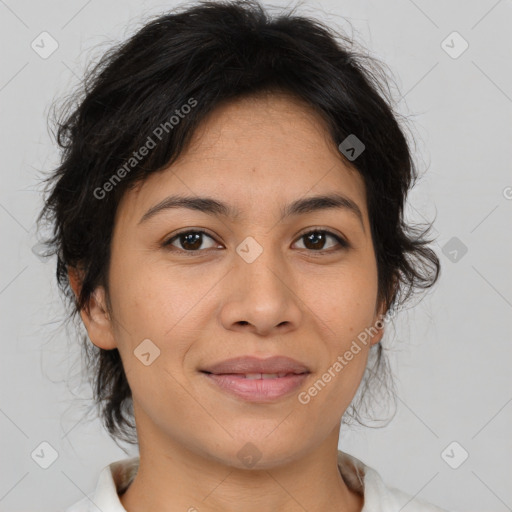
(378, 321)
(96, 317)
(378, 324)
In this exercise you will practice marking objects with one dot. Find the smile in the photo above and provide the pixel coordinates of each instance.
(257, 387)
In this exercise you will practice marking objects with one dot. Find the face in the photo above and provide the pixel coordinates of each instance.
(205, 286)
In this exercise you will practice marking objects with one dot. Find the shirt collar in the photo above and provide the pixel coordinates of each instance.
(115, 478)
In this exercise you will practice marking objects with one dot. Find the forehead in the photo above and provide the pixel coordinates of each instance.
(262, 150)
(265, 127)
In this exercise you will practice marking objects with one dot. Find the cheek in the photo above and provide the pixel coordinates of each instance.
(155, 301)
(147, 295)
(343, 304)
(343, 301)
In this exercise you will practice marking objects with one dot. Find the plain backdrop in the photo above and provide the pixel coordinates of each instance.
(451, 353)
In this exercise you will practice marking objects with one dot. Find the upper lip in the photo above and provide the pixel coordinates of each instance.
(251, 364)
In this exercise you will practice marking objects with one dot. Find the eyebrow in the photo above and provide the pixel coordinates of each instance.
(214, 207)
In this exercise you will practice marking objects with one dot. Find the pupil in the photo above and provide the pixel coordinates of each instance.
(191, 239)
(317, 238)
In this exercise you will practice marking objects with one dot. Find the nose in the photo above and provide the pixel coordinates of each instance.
(261, 297)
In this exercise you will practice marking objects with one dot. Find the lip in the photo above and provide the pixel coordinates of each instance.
(257, 390)
(251, 364)
(230, 377)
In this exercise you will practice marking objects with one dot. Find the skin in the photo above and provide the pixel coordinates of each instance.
(258, 154)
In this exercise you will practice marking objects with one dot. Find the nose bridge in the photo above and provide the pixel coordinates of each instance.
(260, 265)
(261, 295)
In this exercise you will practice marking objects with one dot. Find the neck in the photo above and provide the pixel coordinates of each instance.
(179, 479)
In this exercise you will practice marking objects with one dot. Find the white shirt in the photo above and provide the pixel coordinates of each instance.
(115, 478)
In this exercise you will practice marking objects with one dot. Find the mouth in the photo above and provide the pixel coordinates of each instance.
(254, 379)
(251, 365)
(257, 387)
(258, 376)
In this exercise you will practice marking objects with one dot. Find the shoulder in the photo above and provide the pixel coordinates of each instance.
(112, 481)
(383, 498)
(378, 497)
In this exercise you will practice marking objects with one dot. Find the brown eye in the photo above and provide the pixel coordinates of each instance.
(315, 240)
(189, 241)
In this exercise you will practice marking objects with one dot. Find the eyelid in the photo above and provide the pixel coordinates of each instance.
(342, 241)
(168, 240)
(191, 230)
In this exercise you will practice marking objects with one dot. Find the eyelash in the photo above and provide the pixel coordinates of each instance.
(342, 242)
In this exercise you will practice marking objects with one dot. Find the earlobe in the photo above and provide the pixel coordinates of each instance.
(97, 321)
(378, 325)
(378, 336)
(95, 316)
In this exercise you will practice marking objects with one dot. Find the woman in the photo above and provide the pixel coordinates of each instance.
(228, 223)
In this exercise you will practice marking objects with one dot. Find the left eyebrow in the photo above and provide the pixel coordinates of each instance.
(214, 207)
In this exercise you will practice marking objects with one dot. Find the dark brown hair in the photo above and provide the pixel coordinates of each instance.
(213, 52)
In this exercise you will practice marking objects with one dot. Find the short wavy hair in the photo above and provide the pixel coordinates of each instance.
(215, 52)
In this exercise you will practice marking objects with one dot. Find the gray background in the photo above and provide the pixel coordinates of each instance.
(451, 353)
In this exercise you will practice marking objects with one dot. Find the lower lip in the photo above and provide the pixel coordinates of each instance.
(258, 390)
